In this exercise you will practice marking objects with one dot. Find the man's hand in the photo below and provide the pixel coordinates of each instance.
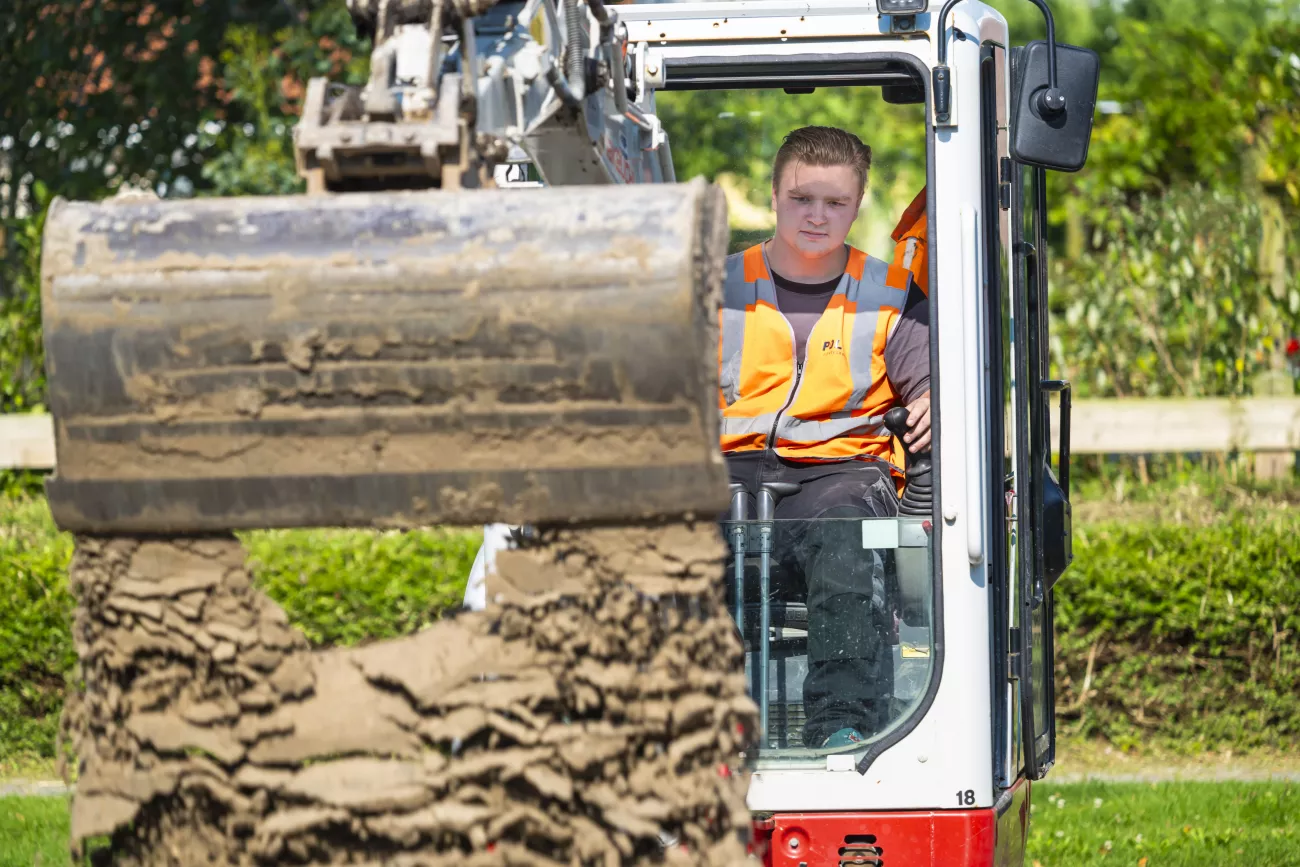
(918, 420)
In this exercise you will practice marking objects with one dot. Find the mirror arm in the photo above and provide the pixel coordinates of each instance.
(1052, 100)
(1049, 102)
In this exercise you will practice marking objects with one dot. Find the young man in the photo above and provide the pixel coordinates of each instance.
(819, 340)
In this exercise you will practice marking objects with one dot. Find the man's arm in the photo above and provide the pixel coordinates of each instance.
(907, 364)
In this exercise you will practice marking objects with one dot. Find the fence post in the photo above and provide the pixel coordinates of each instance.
(1273, 464)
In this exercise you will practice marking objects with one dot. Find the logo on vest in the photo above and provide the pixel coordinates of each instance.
(832, 347)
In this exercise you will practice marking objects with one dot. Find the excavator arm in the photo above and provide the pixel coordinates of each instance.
(459, 86)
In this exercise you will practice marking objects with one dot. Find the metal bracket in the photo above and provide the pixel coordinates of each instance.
(653, 74)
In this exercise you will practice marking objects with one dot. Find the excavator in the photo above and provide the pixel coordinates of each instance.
(497, 304)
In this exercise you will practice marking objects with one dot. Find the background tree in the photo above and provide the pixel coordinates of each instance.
(183, 97)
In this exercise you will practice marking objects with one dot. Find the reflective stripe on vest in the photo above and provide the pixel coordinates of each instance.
(910, 243)
(834, 408)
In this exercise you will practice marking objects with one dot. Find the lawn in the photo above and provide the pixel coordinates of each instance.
(1074, 825)
(33, 832)
(1165, 824)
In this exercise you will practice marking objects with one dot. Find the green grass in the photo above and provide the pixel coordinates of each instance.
(33, 832)
(1165, 824)
(1076, 825)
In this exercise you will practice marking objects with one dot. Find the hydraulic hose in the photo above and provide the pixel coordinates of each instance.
(575, 49)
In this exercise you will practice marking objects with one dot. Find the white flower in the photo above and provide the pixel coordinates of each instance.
(1096, 803)
(1061, 803)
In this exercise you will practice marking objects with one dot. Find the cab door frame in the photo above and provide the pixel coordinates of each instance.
(1034, 472)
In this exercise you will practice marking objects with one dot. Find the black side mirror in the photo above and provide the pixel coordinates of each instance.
(1044, 132)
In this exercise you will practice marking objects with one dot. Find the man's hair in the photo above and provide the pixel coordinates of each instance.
(823, 146)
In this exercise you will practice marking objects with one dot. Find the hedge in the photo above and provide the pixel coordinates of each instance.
(1192, 629)
(1191, 619)
(35, 642)
(337, 586)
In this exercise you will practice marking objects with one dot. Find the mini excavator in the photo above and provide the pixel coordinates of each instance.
(497, 304)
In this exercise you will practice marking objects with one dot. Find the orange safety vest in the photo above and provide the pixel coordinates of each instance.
(910, 243)
(830, 407)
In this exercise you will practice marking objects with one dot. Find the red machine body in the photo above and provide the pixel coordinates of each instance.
(935, 838)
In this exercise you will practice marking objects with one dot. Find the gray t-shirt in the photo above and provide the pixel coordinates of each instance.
(907, 352)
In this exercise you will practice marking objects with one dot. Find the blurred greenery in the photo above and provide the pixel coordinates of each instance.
(1181, 611)
(344, 587)
(1180, 634)
(22, 373)
(178, 97)
(1172, 297)
(35, 641)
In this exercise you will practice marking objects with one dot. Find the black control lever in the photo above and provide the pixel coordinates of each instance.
(773, 493)
(738, 532)
(918, 493)
(896, 421)
(769, 494)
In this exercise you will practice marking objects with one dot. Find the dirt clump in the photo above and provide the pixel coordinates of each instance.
(595, 714)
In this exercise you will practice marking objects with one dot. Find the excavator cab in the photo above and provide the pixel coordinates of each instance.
(959, 696)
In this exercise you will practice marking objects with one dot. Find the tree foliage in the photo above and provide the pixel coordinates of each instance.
(1172, 298)
(182, 97)
(1199, 107)
(22, 371)
(266, 71)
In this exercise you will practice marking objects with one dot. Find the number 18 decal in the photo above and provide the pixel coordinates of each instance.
(966, 798)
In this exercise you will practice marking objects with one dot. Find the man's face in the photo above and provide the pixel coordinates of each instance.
(815, 207)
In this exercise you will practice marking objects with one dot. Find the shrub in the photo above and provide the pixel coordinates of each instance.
(35, 641)
(1174, 297)
(1193, 629)
(341, 587)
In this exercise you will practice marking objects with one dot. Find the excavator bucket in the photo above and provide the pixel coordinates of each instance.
(384, 359)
